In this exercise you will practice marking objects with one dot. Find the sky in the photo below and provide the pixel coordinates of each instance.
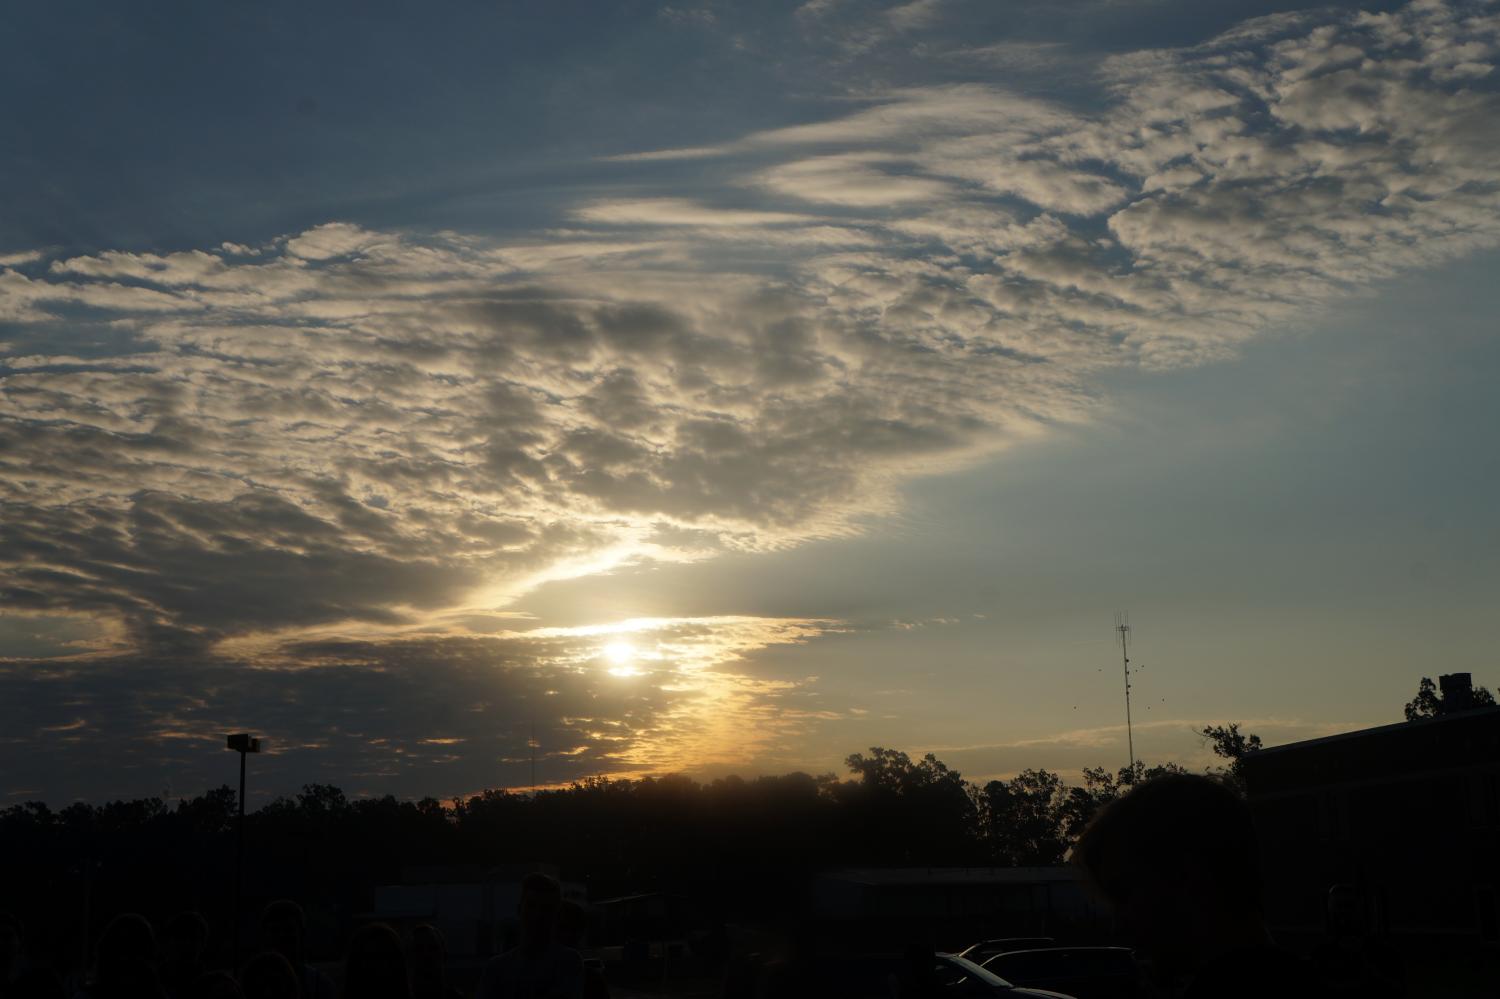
(479, 394)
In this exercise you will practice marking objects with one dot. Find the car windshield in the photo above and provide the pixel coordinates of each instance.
(949, 964)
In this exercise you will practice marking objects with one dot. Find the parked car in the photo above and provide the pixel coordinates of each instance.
(885, 976)
(1085, 972)
(986, 949)
(957, 976)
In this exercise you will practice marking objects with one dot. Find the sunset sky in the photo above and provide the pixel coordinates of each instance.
(728, 387)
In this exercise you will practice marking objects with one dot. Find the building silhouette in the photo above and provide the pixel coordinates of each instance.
(1385, 833)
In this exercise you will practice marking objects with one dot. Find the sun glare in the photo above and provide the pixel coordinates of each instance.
(620, 656)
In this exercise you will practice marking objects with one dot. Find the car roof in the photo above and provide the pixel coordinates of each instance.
(1009, 943)
(969, 967)
(1042, 956)
(1090, 949)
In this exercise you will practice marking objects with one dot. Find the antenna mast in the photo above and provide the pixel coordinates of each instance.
(1122, 625)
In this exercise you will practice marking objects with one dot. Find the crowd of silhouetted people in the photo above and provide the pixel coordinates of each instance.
(134, 960)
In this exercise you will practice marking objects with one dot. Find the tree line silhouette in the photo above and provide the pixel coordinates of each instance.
(731, 841)
(749, 844)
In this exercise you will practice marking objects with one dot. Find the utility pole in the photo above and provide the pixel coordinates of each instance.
(242, 743)
(1122, 626)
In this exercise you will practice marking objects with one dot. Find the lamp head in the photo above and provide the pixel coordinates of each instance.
(244, 742)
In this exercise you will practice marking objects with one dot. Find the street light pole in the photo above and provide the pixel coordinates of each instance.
(242, 743)
(239, 868)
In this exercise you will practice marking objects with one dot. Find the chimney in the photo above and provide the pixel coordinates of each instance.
(1458, 691)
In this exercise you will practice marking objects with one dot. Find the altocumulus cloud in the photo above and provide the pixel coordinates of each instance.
(319, 459)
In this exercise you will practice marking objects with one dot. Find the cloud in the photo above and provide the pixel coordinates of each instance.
(849, 179)
(1178, 740)
(652, 155)
(907, 116)
(1028, 56)
(335, 239)
(346, 399)
(913, 14)
(853, 28)
(426, 714)
(697, 16)
(357, 433)
(325, 433)
(679, 212)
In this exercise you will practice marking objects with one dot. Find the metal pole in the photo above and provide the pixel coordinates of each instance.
(1129, 732)
(239, 872)
(87, 868)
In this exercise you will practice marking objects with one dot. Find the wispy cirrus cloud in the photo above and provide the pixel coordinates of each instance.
(680, 212)
(1165, 740)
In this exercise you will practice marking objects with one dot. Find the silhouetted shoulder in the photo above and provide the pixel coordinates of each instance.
(34, 983)
(554, 972)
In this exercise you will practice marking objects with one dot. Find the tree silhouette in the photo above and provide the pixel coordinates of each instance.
(1430, 702)
(892, 770)
(749, 843)
(1229, 743)
(1099, 788)
(1020, 819)
(921, 812)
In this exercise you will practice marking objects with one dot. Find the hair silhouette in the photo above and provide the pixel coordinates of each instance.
(123, 965)
(216, 985)
(427, 955)
(1176, 857)
(269, 975)
(376, 965)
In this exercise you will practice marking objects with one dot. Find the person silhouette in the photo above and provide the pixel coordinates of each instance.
(376, 966)
(20, 978)
(184, 939)
(269, 975)
(125, 962)
(427, 956)
(216, 984)
(918, 979)
(283, 928)
(1176, 859)
(540, 968)
(572, 925)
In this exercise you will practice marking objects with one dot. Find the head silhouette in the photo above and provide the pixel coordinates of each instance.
(283, 928)
(1176, 859)
(376, 966)
(427, 955)
(269, 975)
(125, 962)
(216, 985)
(184, 939)
(12, 944)
(572, 924)
(920, 979)
(541, 901)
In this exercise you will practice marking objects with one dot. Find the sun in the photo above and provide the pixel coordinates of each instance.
(620, 655)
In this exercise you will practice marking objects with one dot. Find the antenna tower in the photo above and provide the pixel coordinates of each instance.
(1122, 626)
